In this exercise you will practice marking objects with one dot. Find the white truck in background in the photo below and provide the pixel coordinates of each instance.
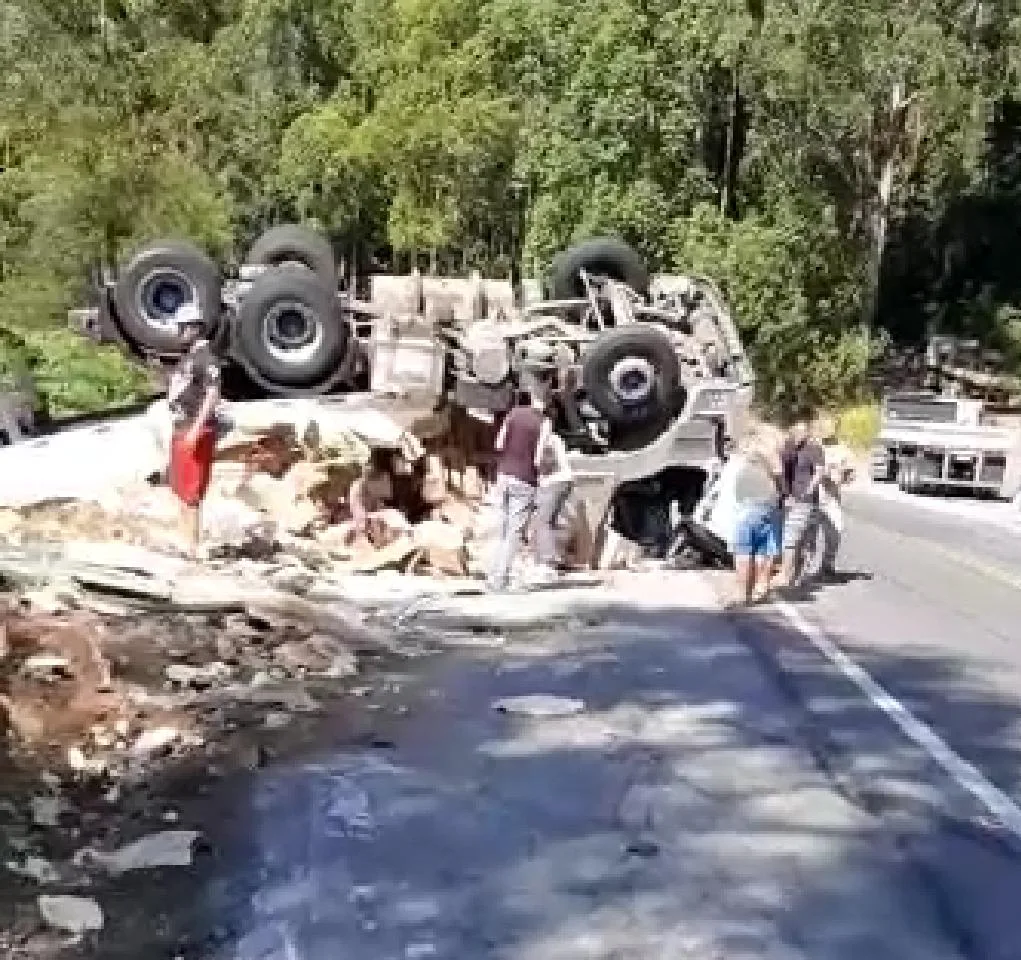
(647, 375)
(931, 442)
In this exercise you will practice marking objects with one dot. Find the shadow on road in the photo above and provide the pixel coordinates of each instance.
(723, 793)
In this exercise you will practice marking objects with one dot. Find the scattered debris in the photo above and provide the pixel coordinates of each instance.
(200, 677)
(75, 915)
(349, 811)
(285, 897)
(152, 741)
(169, 848)
(643, 847)
(539, 705)
(119, 658)
(420, 951)
(46, 810)
(47, 667)
(36, 868)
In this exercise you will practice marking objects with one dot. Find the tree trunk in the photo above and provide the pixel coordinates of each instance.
(881, 215)
(727, 184)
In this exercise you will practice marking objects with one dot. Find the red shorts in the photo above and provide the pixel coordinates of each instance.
(191, 466)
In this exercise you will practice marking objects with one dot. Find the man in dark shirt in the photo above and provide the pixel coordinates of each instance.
(804, 466)
(520, 445)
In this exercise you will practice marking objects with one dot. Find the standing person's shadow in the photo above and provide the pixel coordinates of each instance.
(811, 576)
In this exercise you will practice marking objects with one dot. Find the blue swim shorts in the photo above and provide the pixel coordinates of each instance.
(759, 532)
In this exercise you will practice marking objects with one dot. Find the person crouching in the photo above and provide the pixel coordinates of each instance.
(371, 493)
(193, 395)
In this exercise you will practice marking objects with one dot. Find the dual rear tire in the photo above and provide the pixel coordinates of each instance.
(290, 334)
(630, 374)
(289, 331)
(908, 477)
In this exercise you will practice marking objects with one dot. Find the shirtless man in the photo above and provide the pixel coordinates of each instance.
(371, 492)
(193, 396)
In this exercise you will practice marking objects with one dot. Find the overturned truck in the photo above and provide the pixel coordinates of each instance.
(647, 374)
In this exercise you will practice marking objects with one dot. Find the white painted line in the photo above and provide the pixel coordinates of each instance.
(956, 767)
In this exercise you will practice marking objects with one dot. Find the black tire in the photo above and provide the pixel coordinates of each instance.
(651, 347)
(907, 477)
(605, 257)
(158, 280)
(693, 539)
(290, 328)
(293, 244)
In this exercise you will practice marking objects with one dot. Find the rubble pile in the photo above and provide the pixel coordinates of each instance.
(123, 666)
(280, 484)
(104, 711)
(83, 674)
(107, 697)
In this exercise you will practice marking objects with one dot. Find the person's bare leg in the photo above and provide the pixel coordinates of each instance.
(765, 571)
(744, 578)
(191, 529)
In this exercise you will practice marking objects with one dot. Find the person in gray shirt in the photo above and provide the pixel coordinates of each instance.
(758, 489)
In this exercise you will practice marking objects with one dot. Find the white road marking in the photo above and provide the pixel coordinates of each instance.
(964, 774)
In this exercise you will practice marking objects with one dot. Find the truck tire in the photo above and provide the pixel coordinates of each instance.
(630, 375)
(155, 283)
(293, 244)
(290, 328)
(607, 257)
(907, 477)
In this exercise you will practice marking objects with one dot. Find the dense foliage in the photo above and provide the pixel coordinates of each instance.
(841, 167)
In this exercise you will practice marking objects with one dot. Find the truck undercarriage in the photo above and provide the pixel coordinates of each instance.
(646, 377)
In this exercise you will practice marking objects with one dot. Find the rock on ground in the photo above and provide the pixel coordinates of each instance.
(76, 915)
(169, 848)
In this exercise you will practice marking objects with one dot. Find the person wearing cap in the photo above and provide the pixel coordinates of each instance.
(193, 395)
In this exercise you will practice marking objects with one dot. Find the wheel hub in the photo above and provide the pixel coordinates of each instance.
(632, 379)
(292, 332)
(161, 294)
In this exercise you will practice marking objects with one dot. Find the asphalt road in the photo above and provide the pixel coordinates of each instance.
(932, 609)
(678, 808)
(813, 780)
(909, 673)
